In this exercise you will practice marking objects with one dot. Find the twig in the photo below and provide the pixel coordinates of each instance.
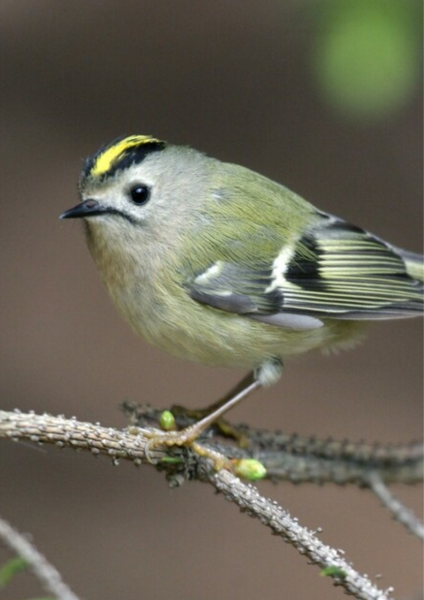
(281, 523)
(300, 459)
(399, 511)
(131, 445)
(46, 574)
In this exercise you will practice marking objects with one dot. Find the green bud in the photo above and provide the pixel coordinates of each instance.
(167, 421)
(250, 468)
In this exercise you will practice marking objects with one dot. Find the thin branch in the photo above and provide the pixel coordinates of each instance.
(46, 574)
(281, 523)
(78, 435)
(399, 511)
(130, 445)
(309, 468)
(301, 459)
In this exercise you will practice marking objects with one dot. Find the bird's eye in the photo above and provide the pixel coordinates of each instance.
(139, 193)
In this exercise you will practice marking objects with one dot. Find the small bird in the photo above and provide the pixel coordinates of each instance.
(217, 264)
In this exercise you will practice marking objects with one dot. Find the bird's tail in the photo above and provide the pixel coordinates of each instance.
(414, 263)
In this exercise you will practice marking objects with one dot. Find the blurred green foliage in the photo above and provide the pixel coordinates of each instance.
(367, 54)
(10, 569)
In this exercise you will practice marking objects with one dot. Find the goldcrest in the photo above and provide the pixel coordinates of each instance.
(217, 264)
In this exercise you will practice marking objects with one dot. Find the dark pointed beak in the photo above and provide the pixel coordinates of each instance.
(88, 208)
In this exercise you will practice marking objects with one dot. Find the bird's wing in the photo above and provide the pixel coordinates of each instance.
(335, 270)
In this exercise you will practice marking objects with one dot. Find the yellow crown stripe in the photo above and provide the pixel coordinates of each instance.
(106, 159)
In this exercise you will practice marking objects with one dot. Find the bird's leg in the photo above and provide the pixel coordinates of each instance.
(239, 393)
(239, 387)
(189, 435)
(268, 373)
(223, 425)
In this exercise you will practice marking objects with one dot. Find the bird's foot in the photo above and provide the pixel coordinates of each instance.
(225, 427)
(186, 437)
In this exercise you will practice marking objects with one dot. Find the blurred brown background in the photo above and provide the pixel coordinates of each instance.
(240, 81)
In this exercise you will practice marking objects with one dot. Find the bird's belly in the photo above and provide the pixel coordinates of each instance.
(184, 328)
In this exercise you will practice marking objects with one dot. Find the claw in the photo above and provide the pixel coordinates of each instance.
(189, 435)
